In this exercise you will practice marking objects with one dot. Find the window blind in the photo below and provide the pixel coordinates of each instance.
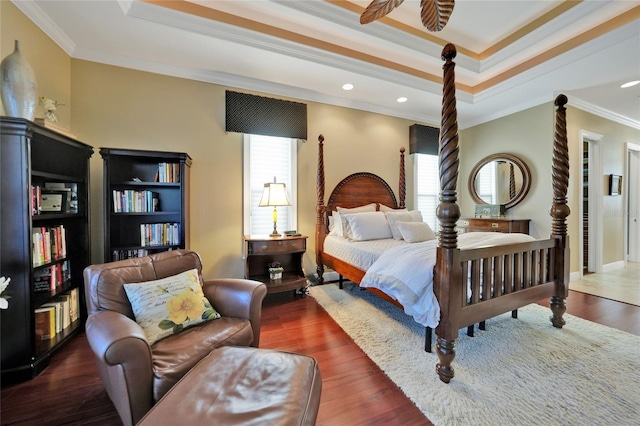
(427, 188)
(268, 157)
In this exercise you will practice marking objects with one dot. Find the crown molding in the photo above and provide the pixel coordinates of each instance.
(604, 113)
(336, 15)
(42, 20)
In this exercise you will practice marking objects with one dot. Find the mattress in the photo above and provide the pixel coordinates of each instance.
(361, 254)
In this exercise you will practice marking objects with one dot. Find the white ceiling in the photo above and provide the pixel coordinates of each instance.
(309, 49)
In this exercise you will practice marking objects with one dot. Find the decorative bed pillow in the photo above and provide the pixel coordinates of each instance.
(416, 232)
(371, 207)
(368, 226)
(394, 217)
(336, 229)
(385, 209)
(169, 305)
(341, 226)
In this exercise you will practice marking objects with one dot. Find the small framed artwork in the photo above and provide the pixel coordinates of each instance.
(615, 184)
(53, 202)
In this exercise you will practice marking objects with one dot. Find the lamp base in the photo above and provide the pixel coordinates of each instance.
(275, 232)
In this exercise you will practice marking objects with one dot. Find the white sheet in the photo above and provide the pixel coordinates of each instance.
(406, 272)
(361, 254)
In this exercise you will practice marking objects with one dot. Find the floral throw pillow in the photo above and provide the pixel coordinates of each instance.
(169, 305)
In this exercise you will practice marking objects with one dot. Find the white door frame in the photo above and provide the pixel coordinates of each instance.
(625, 196)
(596, 202)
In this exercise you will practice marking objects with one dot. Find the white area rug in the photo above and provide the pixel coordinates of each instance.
(518, 372)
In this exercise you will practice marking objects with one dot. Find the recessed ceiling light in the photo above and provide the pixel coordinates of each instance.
(402, 99)
(347, 86)
(630, 84)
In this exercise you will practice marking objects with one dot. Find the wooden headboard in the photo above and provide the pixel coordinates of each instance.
(359, 189)
(353, 191)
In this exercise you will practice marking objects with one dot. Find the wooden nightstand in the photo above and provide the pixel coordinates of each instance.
(491, 224)
(260, 250)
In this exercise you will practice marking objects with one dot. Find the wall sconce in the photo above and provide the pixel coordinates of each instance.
(274, 194)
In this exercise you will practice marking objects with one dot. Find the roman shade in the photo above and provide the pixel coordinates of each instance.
(423, 139)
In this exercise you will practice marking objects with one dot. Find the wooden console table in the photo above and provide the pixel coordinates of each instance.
(495, 224)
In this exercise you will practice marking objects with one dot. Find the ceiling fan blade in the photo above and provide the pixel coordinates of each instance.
(435, 13)
(377, 9)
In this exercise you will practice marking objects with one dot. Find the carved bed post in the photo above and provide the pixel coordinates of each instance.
(446, 276)
(559, 212)
(320, 210)
(402, 187)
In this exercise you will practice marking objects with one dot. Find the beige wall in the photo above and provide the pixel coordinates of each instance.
(121, 108)
(529, 135)
(51, 65)
(614, 137)
(109, 106)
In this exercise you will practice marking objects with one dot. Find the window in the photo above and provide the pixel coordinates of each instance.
(427, 184)
(266, 157)
(486, 182)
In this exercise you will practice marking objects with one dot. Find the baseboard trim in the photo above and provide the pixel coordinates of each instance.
(613, 266)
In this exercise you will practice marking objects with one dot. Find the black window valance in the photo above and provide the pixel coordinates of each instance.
(259, 115)
(423, 139)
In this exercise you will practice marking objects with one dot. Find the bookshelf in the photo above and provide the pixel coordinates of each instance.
(44, 242)
(146, 199)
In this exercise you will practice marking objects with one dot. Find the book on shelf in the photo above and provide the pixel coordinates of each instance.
(66, 310)
(65, 300)
(168, 173)
(159, 234)
(45, 322)
(51, 278)
(48, 244)
(128, 254)
(132, 201)
(58, 313)
(74, 309)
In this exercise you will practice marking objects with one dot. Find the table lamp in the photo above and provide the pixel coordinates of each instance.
(274, 194)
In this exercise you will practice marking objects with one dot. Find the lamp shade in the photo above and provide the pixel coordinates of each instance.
(274, 194)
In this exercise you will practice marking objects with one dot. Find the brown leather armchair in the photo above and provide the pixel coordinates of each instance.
(135, 374)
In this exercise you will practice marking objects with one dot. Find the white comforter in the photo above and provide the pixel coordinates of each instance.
(406, 272)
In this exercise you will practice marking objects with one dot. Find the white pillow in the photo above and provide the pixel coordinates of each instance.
(371, 207)
(368, 226)
(416, 232)
(169, 305)
(341, 226)
(337, 228)
(385, 209)
(394, 217)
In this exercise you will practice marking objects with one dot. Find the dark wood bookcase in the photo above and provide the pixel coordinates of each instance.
(145, 191)
(33, 156)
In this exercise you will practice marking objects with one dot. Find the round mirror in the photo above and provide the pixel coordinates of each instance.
(499, 179)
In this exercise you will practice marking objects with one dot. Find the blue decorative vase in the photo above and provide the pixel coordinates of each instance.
(18, 86)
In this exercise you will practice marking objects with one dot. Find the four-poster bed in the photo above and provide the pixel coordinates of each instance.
(470, 284)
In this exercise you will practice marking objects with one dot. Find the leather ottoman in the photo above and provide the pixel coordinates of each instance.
(243, 386)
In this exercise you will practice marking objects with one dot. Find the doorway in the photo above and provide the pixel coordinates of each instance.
(632, 195)
(590, 214)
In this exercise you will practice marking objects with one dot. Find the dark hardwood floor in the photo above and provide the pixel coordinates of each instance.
(355, 391)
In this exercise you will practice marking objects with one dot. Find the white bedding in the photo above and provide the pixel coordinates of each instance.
(405, 272)
(361, 254)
